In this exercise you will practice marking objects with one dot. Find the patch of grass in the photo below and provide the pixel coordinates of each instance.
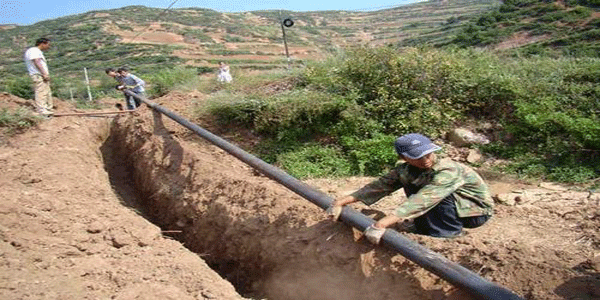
(579, 168)
(84, 104)
(315, 161)
(234, 109)
(167, 80)
(18, 120)
(20, 86)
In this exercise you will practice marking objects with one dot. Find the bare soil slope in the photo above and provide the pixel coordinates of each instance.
(78, 195)
(66, 234)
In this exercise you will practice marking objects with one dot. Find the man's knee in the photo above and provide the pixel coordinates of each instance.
(474, 222)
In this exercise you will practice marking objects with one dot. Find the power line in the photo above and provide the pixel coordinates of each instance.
(381, 7)
(158, 17)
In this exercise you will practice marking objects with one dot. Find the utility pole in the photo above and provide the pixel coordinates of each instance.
(286, 23)
(87, 83)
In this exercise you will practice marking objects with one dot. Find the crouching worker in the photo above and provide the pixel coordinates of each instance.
(130, 82)
(444, 196)
(133, 84)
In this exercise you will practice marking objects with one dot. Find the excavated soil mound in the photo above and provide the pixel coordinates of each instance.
(77, 194)
(66, 234)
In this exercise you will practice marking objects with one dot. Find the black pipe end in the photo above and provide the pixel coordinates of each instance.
(497, 293)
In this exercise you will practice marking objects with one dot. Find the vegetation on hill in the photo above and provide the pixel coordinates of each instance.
(199, 38)
(347, 110)
(529, 27)
(535, 93)
(16, 121)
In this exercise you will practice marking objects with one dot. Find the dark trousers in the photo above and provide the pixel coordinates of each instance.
(443, 221)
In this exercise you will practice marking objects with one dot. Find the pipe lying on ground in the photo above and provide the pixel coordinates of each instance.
(429, 260)
(94, 113)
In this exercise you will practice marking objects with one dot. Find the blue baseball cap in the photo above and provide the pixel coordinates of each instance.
(414, 145)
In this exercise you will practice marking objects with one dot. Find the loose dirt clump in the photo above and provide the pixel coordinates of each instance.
(78, 194)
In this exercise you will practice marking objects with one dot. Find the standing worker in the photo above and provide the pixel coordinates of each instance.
(224, 75)
(38, 70)
(443, 195)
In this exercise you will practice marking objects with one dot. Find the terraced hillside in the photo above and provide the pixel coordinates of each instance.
(150, 38)
(529, 27)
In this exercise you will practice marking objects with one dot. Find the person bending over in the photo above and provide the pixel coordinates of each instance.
(444, 196)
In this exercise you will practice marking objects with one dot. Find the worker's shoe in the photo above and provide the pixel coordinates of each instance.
(44, 112)
(456, 235)
(451, 235)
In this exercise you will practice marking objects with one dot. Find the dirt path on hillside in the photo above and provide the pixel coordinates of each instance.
(91, 209)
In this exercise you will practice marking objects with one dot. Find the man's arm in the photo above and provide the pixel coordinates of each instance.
(39, 65)
(368, 194)
(335, 209)
(138, 81)
(444, 183)
(383, 186)
(387, 221)
(344, 200)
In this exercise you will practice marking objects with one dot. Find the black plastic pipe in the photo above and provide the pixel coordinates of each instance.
(429, 260)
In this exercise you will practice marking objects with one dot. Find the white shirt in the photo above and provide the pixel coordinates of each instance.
(31, 54)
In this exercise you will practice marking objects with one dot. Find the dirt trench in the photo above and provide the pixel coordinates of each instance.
(265, 240)
(66, 219)
(270, 243)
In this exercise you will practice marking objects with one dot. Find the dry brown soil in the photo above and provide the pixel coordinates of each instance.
(136, 207)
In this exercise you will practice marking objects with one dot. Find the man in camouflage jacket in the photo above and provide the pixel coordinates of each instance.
(443, 195)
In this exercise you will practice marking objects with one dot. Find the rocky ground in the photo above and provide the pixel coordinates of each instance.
(136, 207)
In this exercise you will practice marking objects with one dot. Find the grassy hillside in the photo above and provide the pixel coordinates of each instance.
(524, 72)
(528, 27)
(150, 39)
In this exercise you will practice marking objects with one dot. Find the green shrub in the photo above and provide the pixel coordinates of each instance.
(19, 86)
(233, 39)
(165, 80)
(299, 114)
(553, 17)
(196, 35)
(358, 101)
(230, 109)
(315, 161)
(204, 69)
(594, 23)
(371, 156)
(17, 121)
(579, 168)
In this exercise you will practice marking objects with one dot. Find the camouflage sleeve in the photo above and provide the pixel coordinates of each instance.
(379, 188)
(444, 182)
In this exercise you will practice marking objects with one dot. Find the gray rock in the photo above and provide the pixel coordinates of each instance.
(474, 156)
(505, 199)
(461, 137)
(552, 186)
(95, 227)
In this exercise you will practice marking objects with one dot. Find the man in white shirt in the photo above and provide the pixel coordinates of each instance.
(38, 70)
